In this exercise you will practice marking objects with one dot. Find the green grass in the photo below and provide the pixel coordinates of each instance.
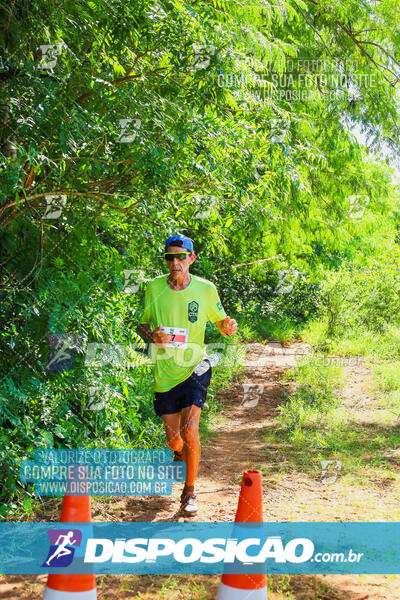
(357, 341)
(261, 329)
(362, 449)
(387, 377)
(153, 587)
(247, 331)
(315, 425)
(310, 417)
(185, 589)
(314, 394)
(386, 386)
(282, 586)
(282, 329)
(314, 332)
(205, 587)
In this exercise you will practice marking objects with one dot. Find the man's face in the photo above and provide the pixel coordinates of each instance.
(179, 267)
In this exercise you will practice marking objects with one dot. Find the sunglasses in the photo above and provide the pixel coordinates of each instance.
(169, 256)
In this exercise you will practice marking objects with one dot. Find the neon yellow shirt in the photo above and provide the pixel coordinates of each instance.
(187, 312)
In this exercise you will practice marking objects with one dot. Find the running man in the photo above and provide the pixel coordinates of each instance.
(63, 541)
(177, 308)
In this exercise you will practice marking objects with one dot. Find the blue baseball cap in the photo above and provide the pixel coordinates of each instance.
(179, 240)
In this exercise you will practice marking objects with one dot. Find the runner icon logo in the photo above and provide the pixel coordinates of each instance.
(330, 470)
(193, 311)
(62, 547)
(251, 394)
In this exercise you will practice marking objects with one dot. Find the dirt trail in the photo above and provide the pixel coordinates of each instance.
(236, 445)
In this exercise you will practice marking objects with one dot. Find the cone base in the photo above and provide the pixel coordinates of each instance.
(226, 592)
(51, 594)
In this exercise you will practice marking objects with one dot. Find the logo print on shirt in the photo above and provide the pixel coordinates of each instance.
(219, 305)
(193, 311)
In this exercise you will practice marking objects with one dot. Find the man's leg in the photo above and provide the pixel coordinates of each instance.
(182, 431)
(172, 424)
(189, 432)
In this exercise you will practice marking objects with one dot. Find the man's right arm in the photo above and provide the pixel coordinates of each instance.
(153, 337)
(144, 329)
(146, 332)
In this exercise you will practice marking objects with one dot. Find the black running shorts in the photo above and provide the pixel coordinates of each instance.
(191, 391)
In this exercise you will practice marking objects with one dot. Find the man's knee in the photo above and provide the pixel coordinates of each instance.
(190, 434)
(174, 442)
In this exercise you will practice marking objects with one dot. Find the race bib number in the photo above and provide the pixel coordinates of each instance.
(179, 337)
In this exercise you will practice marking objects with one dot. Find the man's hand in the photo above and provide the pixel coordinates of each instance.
(160, 338)
(227, 326)
(154, 337)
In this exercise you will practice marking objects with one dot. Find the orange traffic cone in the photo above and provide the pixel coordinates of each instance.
(75, 509)
(249, 510)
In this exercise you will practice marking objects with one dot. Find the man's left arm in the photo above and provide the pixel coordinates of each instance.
(227, 326)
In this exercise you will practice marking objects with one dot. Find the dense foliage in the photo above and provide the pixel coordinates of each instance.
(124, 122)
